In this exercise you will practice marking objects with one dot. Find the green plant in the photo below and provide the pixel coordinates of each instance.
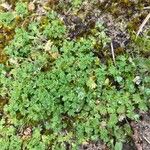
(55, 29)
(21, 9)
(142, 42)
(61, 91)
(76, 3)
(19, 46)
(6, 18)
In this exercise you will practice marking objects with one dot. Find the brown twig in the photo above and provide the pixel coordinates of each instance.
(148, 7)
(112, 52)
(146, 139)
(143, 24)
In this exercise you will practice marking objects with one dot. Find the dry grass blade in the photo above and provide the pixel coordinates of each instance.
(112, 52)
(148, 7)
(146, 140)
(143, 24)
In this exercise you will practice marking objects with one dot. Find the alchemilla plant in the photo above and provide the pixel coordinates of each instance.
(59, 92)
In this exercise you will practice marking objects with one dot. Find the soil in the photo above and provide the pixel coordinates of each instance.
(94, 146)
(144, 130)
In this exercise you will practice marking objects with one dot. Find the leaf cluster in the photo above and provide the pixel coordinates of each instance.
(58, 87)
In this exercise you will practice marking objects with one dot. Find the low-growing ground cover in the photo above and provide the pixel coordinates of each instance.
(60, 87)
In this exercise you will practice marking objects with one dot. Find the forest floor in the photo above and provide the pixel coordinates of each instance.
(121, 19)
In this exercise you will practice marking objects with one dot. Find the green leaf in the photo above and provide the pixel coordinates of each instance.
(118, 146)
(21, 9)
